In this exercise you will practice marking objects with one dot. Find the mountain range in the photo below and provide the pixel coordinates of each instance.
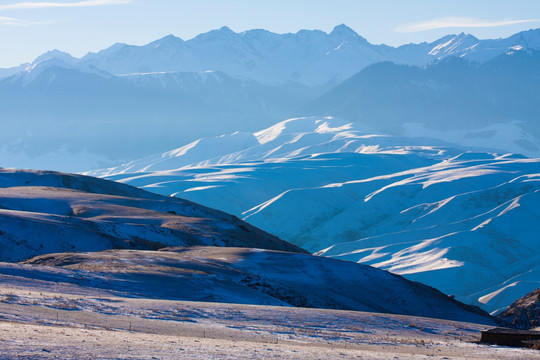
(454, 99)
(127, 101)
(458, 219)
(310, 57)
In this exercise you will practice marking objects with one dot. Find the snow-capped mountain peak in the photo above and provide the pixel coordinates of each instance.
(32, 71)
(222, 34)
(310, 57)
(56, 54)
(527, 39)
(55, 65)
(455, 44)
(343, 31)
(47, 63)
(169, 42)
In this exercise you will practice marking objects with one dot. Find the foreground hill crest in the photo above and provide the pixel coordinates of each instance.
(80, 213)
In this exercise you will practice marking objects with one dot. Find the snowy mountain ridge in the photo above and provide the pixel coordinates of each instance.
(289, 139)
(310, 57)
(429, 210)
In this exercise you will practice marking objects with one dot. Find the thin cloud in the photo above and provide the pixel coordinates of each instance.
(457, 22)
(9, 21)
(45, 5)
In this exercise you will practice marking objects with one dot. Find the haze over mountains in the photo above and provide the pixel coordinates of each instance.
(129, 101)
(493, 104)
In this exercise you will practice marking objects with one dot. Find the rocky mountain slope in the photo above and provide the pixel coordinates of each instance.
(430, 211)
(454, 99)
(524, 313)
(46, 212)
(68, 220)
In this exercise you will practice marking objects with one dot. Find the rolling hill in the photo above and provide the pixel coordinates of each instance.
(49, 212)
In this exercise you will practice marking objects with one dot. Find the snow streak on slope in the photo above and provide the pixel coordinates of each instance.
(461, 221)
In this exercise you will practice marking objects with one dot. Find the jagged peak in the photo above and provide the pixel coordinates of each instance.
(55, 54)
(529, 38)
(118, 46)
(453, 37)
(226, 29)
(170, 37)
(169, 40)
(222, 32)
(258, 33)
(47, 63)
(343, 30)
(463, 35)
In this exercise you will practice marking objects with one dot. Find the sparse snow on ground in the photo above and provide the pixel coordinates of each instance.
(238, 275)
(40, 324)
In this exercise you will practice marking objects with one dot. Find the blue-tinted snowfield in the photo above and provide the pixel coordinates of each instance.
(461, 220)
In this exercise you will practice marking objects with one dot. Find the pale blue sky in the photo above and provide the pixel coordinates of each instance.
(29, 28)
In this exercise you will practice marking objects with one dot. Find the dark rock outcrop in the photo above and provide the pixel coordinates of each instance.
(524, 313)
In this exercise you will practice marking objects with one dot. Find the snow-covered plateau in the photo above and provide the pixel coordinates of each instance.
(459, 219)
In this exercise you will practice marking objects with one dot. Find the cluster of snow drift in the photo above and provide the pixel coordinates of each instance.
(461, 221)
